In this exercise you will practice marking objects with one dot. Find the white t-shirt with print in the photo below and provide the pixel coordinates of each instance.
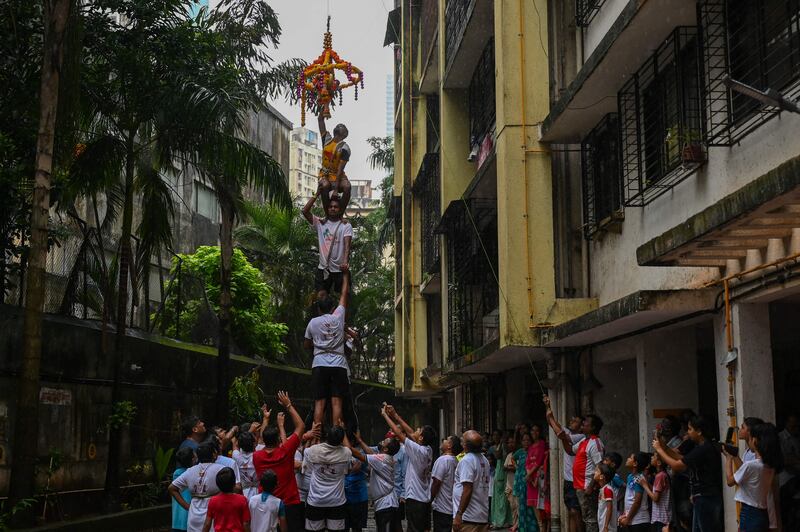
(752, 490)
(330, 233)
(418, 471)
(227, 461)
(444, 470)
(326, 486)
(201, 481)
(247, 473)
(381, 481)
(569, 459)
(473, 468)
(327, 334)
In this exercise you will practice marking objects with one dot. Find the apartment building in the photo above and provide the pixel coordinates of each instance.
(304, 162)
(599, 199)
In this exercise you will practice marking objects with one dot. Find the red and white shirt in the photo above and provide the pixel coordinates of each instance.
(588, 454)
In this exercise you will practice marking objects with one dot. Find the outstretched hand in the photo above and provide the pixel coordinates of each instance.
(546, 401)
(266, 412)
(283, 399)
(281, 419)
(314, 433)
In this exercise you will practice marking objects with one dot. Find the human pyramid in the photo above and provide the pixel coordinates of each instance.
(255, 477)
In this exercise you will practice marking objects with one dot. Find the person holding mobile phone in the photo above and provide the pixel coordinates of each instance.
(705, 470)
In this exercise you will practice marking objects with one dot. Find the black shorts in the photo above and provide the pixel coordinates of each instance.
(332, 518)
(387, 520)
(332, 284)
(329, 382)
(442, 522)
(356, 518)
(570, 497)
(418, 516)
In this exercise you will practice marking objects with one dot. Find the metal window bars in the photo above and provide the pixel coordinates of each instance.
(472, 291)
(601, 176)
(482, 112)
(585, 10)
(427, 188)
(432, 126)
(455, 22)
(756, 42)
(661, 120)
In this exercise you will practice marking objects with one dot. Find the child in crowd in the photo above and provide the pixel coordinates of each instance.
(661, 514)
(243, 448)
(614, 461)
(227, 511)
(267, 511)
(200, 481)
(607, 505)
(637, 511)
(184, 459)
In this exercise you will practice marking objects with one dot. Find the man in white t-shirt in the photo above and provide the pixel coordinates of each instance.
(334, 236)
(472, 487)
(330, 372)
(381, 479)
(442, 478)
(418, 446)
(329, 463)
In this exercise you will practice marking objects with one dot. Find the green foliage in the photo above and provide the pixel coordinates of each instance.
(245, 396)
(161, 461)
(8, 512)
(122, 413)
(253, 323)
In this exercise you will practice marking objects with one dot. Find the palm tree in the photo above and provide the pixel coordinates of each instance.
(164, 93)
(26, 427)
(280, 242)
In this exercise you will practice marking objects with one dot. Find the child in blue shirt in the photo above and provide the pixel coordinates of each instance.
(184, 459)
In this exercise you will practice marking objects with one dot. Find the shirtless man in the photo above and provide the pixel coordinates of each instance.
(335, 154)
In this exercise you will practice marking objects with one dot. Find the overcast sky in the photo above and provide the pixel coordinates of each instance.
(358, 28)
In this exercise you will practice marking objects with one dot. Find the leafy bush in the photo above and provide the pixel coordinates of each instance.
(252, 327)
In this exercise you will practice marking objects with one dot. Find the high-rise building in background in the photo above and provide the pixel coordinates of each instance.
(305, 158)
(389, 105)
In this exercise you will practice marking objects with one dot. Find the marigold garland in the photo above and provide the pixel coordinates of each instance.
(318, 86)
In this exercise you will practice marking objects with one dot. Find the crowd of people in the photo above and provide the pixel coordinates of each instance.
(256, 477)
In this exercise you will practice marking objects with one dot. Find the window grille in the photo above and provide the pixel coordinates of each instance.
(432, 133)
(661, 120)
(482, 96)
(602, 183)
(472, 290)
(585, 10)
(756, 42)
(455, 21)
(427, 190)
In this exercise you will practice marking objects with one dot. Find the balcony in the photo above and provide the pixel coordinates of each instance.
(429, 37)
(601, 176)
(427, 191)
(482, 104)
(585, 10)
(470, 228)
(639, 29)
(756, 43)
(468, 26)
(661, 119)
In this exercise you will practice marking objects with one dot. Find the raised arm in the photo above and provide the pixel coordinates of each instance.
(265, 413)
(297, 421)
(561, 434)
(323, 130)
(345, 288)
(392, 425)
(364, 447)
(358, 455)
(403, 425)
(346, 264)
(308, 206)
(677, 466)
(281, 426)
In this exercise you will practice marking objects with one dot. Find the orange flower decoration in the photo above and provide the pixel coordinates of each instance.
(318, 86)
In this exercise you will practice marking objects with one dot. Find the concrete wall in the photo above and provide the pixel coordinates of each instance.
(165, 379)
(615, 272)
(616, 403)
(601, 23)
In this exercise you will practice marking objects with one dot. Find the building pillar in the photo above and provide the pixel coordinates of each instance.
(524, 180)
(754, 390)
(558, 400)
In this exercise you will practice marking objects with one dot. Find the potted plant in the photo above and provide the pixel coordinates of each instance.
(686, 145)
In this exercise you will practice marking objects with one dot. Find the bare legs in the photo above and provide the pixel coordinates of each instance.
(336, 410)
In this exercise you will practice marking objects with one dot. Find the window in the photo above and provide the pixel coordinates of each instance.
(427, 191)
(482, 96)
(756, 42)
(455, 21)
(602, 183)
(661, 120)
(432, 140)
(585, 10)
(205, 201)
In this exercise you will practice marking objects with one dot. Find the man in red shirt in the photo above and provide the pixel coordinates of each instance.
(227, 511)
(280, 458)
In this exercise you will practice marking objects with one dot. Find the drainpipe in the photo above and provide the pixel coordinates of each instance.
(731, 360)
